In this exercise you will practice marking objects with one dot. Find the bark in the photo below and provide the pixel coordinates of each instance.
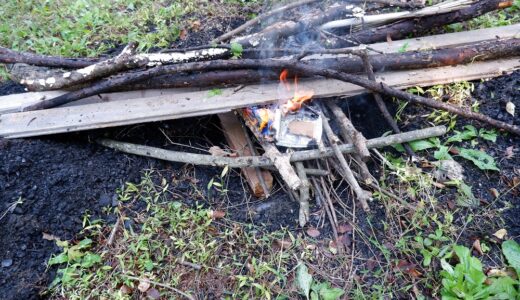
(272, 33)
(301, 68)
(127, 60)
(403, 29)
(282, 163)
(303, 216)
(262, 161)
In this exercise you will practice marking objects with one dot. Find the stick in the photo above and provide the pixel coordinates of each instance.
(259, 18)
(283, 163)
(260, 161)
(329, 208)
(352, 136)
(381, 103)
(8, 56)
(362, 195)
(303, 216)
(287, 28)
(349, 131)
(401, 30)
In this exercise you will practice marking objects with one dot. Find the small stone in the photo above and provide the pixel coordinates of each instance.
(6, 263)
(104, 200)
(115, 200)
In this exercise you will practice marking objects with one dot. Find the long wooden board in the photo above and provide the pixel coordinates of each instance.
(13, 103)
(198, 103)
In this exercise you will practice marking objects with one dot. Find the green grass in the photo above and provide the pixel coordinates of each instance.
(90, 27)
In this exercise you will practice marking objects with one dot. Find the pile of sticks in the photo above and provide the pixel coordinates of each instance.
(71, 94)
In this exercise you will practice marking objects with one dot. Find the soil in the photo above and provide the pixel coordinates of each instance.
(60, 181)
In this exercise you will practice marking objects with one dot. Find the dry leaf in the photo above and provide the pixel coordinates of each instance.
(50, 237)
(345, 240)
(217, 214)
(125, 289)
(505, 272)
(344, 228)
(283, 244)
(217, 151)
(183, 34)
(153, 293)
(408, 268)
(144, 285)
(500, 234)
(195, 25)
(494, 193)
(510, 108)
(476, 246)
(313, 232)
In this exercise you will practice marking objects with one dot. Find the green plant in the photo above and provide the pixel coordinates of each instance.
(78, 259)
(312, 289)
(467, 280)
(220, 183)
(236, 50)
(214, 92)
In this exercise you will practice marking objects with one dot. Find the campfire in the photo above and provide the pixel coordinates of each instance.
(284, 94)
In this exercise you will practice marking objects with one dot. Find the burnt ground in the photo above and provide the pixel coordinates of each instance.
(62, 179)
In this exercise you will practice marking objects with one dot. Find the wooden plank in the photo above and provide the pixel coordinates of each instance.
(237, 141)
(189, 104)
(13, 103)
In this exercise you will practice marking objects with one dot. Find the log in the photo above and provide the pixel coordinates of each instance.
(282, 162)
(167, 105)
(262, 161)
(464, 54)
(418, 26)
(303, 216)
(258, 180)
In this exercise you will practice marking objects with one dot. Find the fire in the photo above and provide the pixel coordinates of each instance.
(299, 96)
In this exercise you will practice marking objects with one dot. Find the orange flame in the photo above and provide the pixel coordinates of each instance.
(299, 97)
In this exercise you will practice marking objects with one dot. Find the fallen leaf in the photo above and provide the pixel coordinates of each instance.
(505, 272)
(344, 228)
(217, 151)
(283, 244)
(408, 268)
(510, 108)
(509, 152)
(195, 25)
(494, 193)
(217, 214)
(371, 264)
(153, 293)
(313, 232)
(500, 234)
(125, 289)
(50, 237)
(333, 247)
(183, 34)
(345, 240)
(476, 246)
(451, 204)
(438, 185)
(144, 285)
(454, 150)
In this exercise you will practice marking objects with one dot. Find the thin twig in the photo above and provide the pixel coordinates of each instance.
(303, 217)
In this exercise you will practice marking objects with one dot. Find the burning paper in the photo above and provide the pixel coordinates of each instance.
(288, 123)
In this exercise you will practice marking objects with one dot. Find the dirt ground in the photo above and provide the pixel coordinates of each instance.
(60, 180)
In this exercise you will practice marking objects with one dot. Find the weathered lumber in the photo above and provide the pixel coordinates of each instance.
(196, 103)
(403, 29)
(237, 141)
(262, 161)
(260, 18)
